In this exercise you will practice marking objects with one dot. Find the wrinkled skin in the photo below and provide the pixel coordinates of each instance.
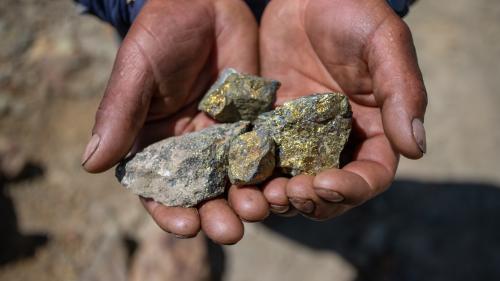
(171, 55)
(174, 51)
(363, 49)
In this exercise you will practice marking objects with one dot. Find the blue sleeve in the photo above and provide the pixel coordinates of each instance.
(401, 7)
(121, 13)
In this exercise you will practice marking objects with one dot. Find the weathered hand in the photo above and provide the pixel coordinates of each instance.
(360, 48)
(171, 55)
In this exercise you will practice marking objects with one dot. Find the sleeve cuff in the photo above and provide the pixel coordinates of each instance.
(119, 13)
(401, 7)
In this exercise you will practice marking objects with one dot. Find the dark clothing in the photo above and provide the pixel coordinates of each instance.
(121, 13)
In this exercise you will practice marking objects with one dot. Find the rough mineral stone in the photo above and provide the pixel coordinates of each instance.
(309, 132)
(236, 97)
(251, 158)
(183, 170)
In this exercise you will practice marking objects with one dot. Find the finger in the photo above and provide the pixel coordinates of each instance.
(370, 174)
(398, 86)
(219, 222)
(275, 194)
(237, 36)
(303, 197)
(248, 202)
(121, 112)
(341, 186)
(300, 193)
(183, 222)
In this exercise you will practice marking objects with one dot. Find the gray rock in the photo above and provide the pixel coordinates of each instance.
(184, 170)
(236, 96)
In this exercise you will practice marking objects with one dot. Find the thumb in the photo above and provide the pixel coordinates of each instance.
(122, 110)
(398, 86)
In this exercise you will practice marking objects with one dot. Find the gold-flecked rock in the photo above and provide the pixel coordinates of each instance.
(306, 135)
(251, 158)
(309, 132)
(235, 96)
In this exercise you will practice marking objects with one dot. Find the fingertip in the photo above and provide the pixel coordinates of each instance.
(275, 191)
(405, 134)
(299, 190)
(300, 186)
(248, 202)
(90, 149)
(342, 186)
(220, 223)
(99, 156)
(184, 222)
(107, 148)
(104, 155)
(419, 134)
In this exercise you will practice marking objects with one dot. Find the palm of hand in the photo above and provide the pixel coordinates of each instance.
(171, 55)
(174, 51)
(321, 46)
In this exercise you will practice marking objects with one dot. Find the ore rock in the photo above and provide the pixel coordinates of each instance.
(309, 132)
(183, 170)
(251, 158)
(235, 96)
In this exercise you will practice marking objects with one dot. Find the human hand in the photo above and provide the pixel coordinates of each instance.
(170, 56)
(360, 48)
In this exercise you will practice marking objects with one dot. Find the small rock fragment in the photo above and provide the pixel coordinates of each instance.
(251, 158)
(184, 170)
(309, 132)
(235, 96)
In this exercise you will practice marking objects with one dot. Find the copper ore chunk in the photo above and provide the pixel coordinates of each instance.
(251, 158)
(235, 96)
(309, 132)
(184, 170)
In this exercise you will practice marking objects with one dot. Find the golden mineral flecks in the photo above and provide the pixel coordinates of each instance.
(306, 135)
(309, 132)
(235, 96)
(251, 158)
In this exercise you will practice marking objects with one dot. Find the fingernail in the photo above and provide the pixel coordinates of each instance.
(306, 206)
(279, 209)
(419, 134)
(329, 195)
(91, 148)
(180, 236)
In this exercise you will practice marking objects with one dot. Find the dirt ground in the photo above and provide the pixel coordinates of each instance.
(438, 221)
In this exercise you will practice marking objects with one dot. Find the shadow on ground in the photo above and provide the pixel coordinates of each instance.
(15, 245)
(415, 231)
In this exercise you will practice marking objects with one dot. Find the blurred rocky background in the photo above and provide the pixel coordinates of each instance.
(438, 221)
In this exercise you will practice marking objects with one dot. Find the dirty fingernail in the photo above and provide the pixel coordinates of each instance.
(419, 134)
(279, 209)
(329, 195)
(91, 148)
(180, 236)
(306, 206)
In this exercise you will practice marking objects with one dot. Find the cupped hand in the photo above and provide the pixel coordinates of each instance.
(172, 53)
(360, 48)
